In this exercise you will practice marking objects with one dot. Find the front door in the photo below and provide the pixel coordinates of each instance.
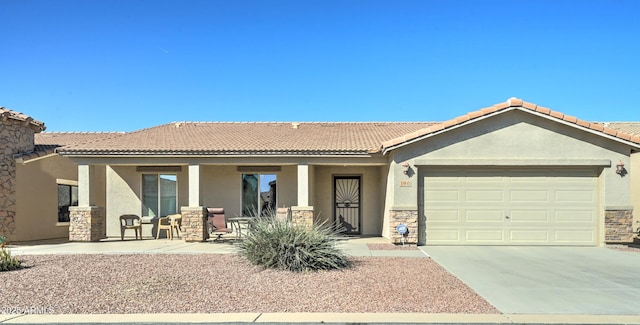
(347, 204)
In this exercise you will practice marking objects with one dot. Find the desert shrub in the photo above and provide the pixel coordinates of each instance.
(278, 244)
(7, 262)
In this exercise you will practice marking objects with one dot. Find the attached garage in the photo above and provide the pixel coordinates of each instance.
(516, 206)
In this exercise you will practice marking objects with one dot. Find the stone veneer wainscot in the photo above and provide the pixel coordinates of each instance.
(194, 224)
(618, 224)
(410, 219)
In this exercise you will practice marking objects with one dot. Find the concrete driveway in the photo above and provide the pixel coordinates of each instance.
(547, 280)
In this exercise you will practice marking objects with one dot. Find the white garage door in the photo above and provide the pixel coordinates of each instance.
(513, 207)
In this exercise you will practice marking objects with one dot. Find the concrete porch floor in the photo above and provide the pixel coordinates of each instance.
(353, 246)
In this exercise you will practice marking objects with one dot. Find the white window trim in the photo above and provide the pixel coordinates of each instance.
(61, 181)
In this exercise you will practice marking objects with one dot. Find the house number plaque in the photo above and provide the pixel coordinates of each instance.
(405, 183)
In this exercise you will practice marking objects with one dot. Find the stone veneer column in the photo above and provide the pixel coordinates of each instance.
(282, 214)
(15, 137)
(87, 223)
(194, 225)
(302, 216)
(408, 218)
(618, 224)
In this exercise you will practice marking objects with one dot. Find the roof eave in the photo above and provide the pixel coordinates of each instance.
(634, 145)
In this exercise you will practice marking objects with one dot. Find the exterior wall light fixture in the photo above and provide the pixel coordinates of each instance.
(620, 170)
(406, 168)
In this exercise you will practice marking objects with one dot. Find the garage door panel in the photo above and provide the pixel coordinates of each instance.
(574, 196)
(575, 236)
(484, 216)
(484, 196)
(503, 207)
(481, 236)
(538, 236)
(443, 195)
(445, 235)
(526, 196)
(523, 216)
(575, 216)
(443, 216)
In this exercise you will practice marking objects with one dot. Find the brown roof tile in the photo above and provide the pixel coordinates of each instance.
(7, 113)
(252, 138)
(613, 129)
(626, 128)
(47, 143)
(233, 138)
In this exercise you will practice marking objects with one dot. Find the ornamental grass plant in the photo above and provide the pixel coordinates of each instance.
(7, 262)
(278, 244)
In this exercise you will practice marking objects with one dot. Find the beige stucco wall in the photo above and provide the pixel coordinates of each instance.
(372, 187)
(37, 197)
(634, 176)
(221, 186)
(124, 196)
(511, 139)
(521, 138)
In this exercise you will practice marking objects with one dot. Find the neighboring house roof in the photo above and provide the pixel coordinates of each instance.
(6, 113)
(631, 128)
(46, 143)
(626, 132)
(248, 138)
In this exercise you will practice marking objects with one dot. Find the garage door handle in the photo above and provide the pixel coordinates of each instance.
(506, 217)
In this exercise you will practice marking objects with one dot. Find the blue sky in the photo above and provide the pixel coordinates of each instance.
(114, 65)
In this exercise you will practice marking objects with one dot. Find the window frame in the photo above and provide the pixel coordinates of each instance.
(160, 213)
(259, 177)
(70, 184)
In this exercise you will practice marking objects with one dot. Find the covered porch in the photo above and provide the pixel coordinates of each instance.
(348, 191)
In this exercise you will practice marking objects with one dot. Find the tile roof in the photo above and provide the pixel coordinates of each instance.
(628, 131)
(631, 128)
(256, 138)
(6, 113)
(72, 138)
(46, 143)
(287, 138)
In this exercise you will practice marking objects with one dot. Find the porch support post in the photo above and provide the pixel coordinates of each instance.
(302, 216)
(194, 226)
(194, 185)
(86, 221)
(303, 185)
(84, 185)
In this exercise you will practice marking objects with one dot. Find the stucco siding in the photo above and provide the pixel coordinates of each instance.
(524, 139)
(634, 175)
(124, 196)
(221, 186)
(37, 198)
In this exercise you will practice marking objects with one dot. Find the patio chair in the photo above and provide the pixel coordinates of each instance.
(176, 224)
(130, 221)
(217, 223)
(165, 224)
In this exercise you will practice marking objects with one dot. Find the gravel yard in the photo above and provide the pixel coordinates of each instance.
(183, 283)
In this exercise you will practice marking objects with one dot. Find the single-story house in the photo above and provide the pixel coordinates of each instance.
(514, 173)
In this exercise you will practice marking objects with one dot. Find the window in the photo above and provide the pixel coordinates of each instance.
(67, 196)
(159, 195)
(258, 194)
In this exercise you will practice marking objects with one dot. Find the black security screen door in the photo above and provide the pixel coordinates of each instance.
(347, 204)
